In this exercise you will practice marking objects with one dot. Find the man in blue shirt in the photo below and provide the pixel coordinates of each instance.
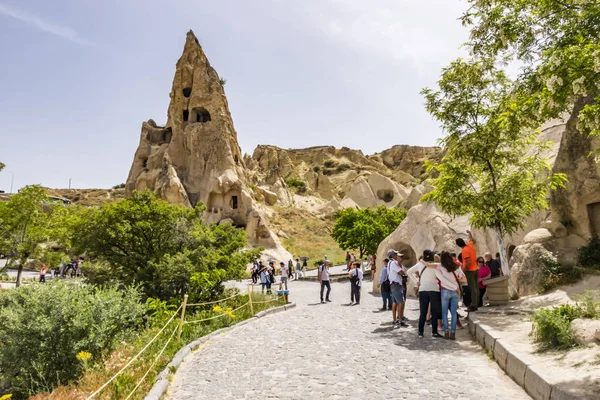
(384, 284)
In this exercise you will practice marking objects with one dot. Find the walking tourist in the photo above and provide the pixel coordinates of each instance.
(284, 274)
(373, 266)
(356, 277)
(450, 277)
(493, 265)
(271, 271)
(304, 267)
(384, 284)
(395, 273)
(290, 269)
(43, 274)
(469, 259)
(298, 268)
(484, 273)
(428, 293)
(348, 260)
(324, 280)
(265, 280)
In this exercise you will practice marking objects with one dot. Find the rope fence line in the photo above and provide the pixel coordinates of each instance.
(135, 357)
(178, 329)
(153, 363)
(216, 316)
(214, 302)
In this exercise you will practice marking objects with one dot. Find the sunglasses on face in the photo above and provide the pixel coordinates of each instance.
(479, 262)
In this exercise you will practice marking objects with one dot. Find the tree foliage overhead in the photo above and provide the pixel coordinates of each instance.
(492, 168)
(558, 44)
(166, 248)
(364, 229)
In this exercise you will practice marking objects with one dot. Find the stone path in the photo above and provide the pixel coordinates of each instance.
(335, 351)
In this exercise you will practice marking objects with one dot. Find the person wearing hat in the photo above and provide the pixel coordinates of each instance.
(395, 273)
(324, 280)
(284, 274)
(384, 284)
(265, 279)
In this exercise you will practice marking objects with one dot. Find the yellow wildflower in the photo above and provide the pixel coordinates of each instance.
(82, 356)
(217, 309)
(228, 309)
(6, 397)
(230, 314)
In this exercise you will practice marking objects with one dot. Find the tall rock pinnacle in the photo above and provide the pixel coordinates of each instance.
(195, 157)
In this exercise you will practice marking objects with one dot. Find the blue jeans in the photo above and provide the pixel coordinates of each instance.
(449, 300)
(387, 299)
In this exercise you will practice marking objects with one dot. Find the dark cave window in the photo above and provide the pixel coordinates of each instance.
(186, 115)
(187, 91)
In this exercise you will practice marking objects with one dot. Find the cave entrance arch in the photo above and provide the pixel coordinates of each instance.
(593, 211)
(509, 251)
(200, 114)
(410, 256)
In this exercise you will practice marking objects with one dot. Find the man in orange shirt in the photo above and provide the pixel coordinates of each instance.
(470, 268)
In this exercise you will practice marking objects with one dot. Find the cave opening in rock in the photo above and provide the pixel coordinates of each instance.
(386, 195)
(186, 115)
(167, 135)
(200, 114)
(236, 159)
(144, 163)
(187, 91)
(510, 251)
(593, 211)
(234, 202)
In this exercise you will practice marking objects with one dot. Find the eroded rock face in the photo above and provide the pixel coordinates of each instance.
(586, 331)
(195, 157)
(425, 227)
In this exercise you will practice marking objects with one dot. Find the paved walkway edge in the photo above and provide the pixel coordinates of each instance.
(162, 379)
(528, 376)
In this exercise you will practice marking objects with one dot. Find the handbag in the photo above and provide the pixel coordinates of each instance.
(416, 289)
(460, 291)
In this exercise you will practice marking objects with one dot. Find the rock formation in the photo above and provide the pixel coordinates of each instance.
(195, 157)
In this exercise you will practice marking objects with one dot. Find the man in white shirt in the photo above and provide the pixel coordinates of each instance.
(284, 274)
(429, 293)
(356, 277)
(395, 272)
(324, 280)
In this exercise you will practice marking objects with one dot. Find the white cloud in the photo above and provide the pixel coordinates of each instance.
(404, 30)
(45, 26)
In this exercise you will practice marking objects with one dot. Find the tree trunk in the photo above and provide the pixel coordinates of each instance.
(512, 290)
(19, 274)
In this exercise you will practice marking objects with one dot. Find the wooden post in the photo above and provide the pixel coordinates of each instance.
(250, 299)
(182, 317)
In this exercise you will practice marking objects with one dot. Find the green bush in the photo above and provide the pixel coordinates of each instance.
(316, 169)
(342, 167)
(44, 327)
(552, 327)
(296, 183)
(589, 256)
(555, 274)
(318, 263)
(330, 163)
(328, 171)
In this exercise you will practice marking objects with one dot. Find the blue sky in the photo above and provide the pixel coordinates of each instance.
(78, 77)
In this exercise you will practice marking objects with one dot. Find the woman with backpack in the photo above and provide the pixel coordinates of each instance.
(450, 277)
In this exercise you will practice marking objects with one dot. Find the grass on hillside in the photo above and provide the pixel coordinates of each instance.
(308, 235)
(89, 197)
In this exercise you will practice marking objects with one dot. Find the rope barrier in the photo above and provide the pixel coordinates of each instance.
(216, 316)
(262, 302)
(135, 357)
(213, 302)
(152, 366)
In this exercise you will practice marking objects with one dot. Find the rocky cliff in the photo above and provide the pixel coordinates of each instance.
(196, 157)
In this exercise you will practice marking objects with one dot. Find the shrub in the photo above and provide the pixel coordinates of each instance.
(328, 171)
(119, 186)
(296, 183)
(330, 163)
(589, 256)
(555, 274)
(318, 263)
(552, 327)
(316, 169)
(342, 167)
(44, 327)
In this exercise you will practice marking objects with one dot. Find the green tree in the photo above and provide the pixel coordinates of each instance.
(364, 229)
(166, 248)
(2, 165)
(557, 43)
(492, 168)
(28, 220)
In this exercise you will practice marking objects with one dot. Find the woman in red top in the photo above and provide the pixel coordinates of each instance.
(484, 273)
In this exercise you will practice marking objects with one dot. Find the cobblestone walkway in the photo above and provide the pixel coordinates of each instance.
(336, 351)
